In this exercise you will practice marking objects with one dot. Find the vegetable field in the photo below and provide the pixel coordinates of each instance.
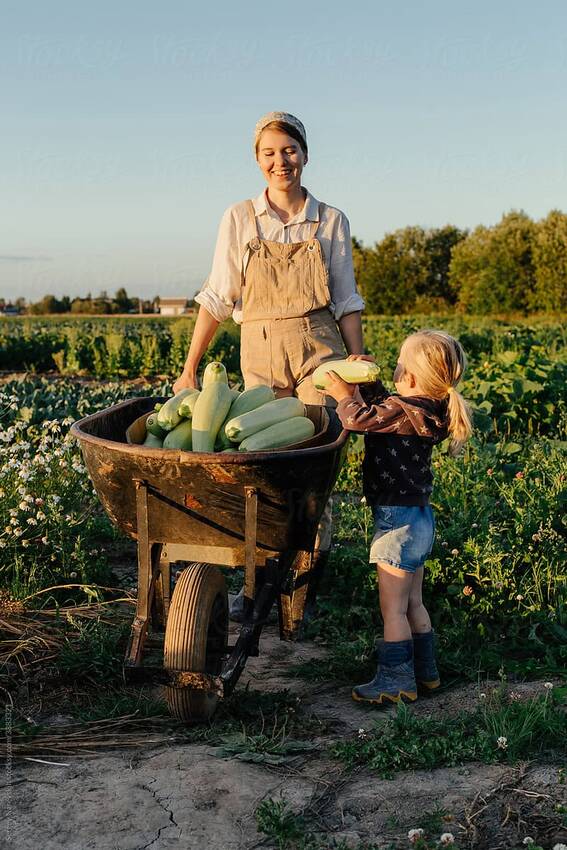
(495, 582)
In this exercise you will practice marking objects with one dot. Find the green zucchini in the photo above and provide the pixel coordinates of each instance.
(153, 426)
(214, 372)
(208, 415)
(180, 437)
(186, 407)
(240, 427)
(168, 415)
(277, 436)
(152, 442)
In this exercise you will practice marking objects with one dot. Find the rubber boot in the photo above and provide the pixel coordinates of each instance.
(426, 673)
(394, 680)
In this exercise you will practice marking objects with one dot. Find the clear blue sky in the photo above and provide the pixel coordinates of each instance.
(128, 125)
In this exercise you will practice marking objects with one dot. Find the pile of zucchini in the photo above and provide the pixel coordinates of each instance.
(218, 418)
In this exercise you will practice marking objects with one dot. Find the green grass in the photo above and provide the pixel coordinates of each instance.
(501, 729)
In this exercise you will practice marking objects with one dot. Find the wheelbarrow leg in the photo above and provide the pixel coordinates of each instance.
(149, 556)
(292, 602)
(162, 596)
(247, 644)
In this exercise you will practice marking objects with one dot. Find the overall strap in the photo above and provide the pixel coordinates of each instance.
(315, 224)
(254, 227)
(252, 214)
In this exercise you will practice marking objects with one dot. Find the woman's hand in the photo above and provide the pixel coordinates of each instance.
(337, 388)
(188, 378)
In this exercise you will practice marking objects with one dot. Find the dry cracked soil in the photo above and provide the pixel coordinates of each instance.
(181, 795)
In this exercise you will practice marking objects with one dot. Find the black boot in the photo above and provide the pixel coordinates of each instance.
(394, 680)
(426, 673)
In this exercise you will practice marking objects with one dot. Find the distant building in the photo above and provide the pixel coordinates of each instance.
(173, 306)
(9, 310)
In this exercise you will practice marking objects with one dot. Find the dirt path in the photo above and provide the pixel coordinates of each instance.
(183, 796)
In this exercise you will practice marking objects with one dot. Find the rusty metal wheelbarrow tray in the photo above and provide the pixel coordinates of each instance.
(259, 510)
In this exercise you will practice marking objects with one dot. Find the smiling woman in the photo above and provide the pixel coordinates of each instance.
(283, 269)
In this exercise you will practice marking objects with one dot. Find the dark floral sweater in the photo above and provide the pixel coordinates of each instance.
(400, 433)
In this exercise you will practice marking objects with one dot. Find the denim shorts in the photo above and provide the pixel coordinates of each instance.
(403, 535)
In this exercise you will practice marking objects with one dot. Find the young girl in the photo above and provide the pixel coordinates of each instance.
(401, 430)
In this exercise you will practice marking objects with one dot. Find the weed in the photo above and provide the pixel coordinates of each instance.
(500, 729)
(96, 653)
(288, 830)
(119, 703)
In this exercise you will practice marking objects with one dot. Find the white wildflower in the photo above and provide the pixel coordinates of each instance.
(45, 540)
(502, 743)
(446, 839)
(414, 835)
(31, 520)
(25, 543)
(528, 840)
(548, 686)
(560, 847)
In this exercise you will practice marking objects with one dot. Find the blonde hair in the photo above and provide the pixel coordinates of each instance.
(438, 362)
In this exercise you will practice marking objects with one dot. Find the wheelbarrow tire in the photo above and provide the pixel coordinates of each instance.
(196, 637)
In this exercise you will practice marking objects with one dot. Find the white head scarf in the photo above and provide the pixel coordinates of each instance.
(287, 117)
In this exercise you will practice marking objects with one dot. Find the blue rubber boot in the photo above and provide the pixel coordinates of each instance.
(426, 673)
(394, 680)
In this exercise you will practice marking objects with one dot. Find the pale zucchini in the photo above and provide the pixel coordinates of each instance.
(251, 399)
(240, 427)
(214, 372)
(186, 407)
(168, 415)
(277, 436)
(180, 437)
(351, 371)
(244, 403)
(208, 415)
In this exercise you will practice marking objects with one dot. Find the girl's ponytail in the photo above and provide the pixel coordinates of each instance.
(460, 421)
(438, 361)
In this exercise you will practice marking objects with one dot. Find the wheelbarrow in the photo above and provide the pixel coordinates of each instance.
(256, 510)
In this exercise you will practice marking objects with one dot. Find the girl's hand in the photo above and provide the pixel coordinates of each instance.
(368, 357)
(337, 388)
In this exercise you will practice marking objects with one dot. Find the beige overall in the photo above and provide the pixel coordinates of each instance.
(287, 327)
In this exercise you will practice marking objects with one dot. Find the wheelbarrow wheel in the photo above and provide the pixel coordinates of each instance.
(196, 637)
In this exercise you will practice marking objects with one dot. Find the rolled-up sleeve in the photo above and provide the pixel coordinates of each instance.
(222, 288)
(344, 295)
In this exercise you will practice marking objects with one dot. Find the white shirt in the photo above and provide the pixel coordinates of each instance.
(221, 293)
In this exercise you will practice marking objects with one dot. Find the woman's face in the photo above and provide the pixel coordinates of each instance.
(281, 160)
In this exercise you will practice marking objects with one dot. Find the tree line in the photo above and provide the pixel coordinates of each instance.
(99, 305)
(518, 265)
